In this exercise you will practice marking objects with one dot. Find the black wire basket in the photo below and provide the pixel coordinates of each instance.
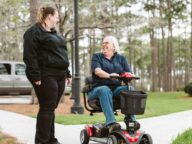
(133, 102)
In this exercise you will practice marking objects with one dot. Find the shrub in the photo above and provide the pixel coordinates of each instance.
(188, 88)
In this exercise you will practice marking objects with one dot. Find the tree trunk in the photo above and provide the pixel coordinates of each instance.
(164, 51)
(154, 60)
(34, 5)
(190, 68)
(159, 68)
(171, 65)
(153, 55)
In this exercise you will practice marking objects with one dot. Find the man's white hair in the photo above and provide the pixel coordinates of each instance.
(114, 41)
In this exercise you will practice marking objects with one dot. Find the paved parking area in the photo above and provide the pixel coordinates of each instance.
(15, 99)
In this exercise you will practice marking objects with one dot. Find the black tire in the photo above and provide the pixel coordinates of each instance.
(112, 139)
(84, 138)
(146, 139)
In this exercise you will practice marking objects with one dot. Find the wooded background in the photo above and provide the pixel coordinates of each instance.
(154, 35)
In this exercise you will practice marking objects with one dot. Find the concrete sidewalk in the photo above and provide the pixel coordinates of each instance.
(163, 129)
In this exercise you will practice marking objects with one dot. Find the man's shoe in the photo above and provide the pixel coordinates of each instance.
(114, 127)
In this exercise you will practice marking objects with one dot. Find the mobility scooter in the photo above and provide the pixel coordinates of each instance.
(130, 102)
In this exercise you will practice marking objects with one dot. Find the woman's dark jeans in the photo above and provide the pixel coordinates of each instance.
(48, 94)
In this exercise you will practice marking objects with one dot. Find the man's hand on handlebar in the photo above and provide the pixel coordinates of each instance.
(112, 75)
(125, 77)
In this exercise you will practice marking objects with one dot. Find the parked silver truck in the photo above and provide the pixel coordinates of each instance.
(13, 79)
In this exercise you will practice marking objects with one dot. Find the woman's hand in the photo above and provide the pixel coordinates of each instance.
(68, 81)
(113, 74)
(37, 83)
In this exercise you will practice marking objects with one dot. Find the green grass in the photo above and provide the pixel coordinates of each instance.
(83, 119)
(184, 138)
(157, 104)
(166, 103)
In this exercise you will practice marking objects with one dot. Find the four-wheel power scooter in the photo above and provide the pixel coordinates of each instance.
(130, 103)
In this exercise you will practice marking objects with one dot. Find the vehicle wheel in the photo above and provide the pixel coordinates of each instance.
(112, 140)
(146, 139)
(84, 138)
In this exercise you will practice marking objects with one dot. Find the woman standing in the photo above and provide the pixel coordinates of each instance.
(46, 59)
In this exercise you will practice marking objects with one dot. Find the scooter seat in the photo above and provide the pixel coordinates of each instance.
(95, 104)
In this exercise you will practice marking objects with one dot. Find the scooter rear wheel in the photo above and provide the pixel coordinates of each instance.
(112, 139)
(84, 138)
(146, 139)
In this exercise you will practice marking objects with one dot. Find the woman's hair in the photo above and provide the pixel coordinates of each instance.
(114, 41)
(43, 12)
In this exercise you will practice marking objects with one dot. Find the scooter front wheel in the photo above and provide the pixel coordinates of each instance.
(84, 138)
(112, 139)
(146, 139)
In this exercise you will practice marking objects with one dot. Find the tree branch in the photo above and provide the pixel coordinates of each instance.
(94, 27)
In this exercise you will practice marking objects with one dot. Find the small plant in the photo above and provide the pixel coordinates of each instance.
(188, 89)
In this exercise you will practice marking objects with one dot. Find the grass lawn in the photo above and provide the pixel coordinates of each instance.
(184, 138)
(157, 104)
(166, 103)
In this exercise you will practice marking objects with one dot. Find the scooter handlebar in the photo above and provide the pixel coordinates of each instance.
(127, 78)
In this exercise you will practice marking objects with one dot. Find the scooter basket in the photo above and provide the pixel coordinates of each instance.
(133, 102)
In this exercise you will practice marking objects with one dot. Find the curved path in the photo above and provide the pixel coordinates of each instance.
(163, 129)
